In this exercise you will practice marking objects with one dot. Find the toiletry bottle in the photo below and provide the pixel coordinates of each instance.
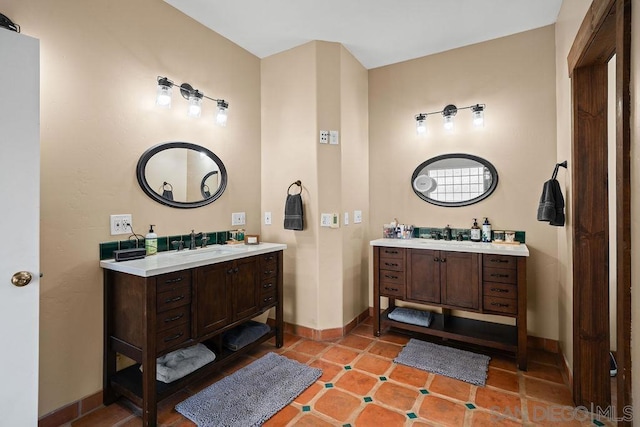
(475, 232)
(486, 230)
(151, 241)
(447, 232)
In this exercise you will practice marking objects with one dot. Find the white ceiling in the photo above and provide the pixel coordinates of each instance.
(376, 32)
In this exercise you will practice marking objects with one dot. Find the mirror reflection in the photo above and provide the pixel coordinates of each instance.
(454, 180)
(181, 174)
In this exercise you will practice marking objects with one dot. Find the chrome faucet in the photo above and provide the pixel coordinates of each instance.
(178, 244)
(192, 240)
(205, 239)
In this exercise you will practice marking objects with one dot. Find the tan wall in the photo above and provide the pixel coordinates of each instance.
(99, 63)
(514, 77)
(317, 86)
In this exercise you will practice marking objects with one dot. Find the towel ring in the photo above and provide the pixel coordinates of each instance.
(298, 183)
(165, 184)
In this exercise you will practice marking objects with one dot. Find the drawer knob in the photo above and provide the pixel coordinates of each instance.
(173, 337)
(174, 318)
(268, 299)
(388, 276)
(499, 290)
(391, 264)
(178, 298)
(267, 272)
(267, 285)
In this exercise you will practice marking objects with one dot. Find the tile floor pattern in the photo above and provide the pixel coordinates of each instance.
(361, 386)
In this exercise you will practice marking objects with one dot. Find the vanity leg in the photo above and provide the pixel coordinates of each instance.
(279, 308)
(376, 292)
(521, 320)
(149, 402)
(108, 355)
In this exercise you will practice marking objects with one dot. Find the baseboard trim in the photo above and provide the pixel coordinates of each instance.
(71, 411)
(325, 334)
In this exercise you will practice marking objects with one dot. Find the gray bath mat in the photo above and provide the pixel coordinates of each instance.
(250, 396)
(451, 362)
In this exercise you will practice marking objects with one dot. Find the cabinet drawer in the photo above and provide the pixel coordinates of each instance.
(269, 270)
(392, 290)
(166, 282)
(268, 258)
(501, 275)
(268, 299)
(391, 253)
(173, 318)
(500, 305)
(499, 261)
(267, 287)
(392, 277)
(389, 263)
(174, 336)
(175, 297)
(500, 290)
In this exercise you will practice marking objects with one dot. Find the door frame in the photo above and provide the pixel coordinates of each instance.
(605, 31)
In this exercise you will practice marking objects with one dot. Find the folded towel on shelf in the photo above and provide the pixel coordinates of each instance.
(242, 335)
(293, 216)
(177, 364)
(551, 206)
(412, 316)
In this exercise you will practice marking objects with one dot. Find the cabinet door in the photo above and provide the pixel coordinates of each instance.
(245, 287)
(423, 276)
(213, 297)
(460, 276)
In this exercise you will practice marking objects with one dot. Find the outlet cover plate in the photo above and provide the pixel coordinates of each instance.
(326, 219)
(324, 137)
(119, 224)
(357, 217)
(267, 218)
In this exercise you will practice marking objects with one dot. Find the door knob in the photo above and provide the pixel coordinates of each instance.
(21, 278)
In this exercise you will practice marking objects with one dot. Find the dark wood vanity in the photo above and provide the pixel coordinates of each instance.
(459, 279)
(147, 317)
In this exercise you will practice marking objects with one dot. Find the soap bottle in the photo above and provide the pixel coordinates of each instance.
(475, 232)
(486, 230)
(151, 241)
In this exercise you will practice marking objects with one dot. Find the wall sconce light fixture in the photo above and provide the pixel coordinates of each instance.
(448, 114)
(194, 96)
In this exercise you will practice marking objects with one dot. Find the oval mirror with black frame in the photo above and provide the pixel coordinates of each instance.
(181, 175)
(454, 180)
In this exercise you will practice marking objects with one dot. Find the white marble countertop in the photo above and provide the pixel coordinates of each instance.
(455, 246)
(167, 262)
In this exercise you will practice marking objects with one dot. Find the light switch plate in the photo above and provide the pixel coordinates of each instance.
(326, 219)
(238, 218)
(357, 217)
(346, 218)
(333, 137)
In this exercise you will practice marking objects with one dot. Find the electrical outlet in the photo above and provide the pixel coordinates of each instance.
(333, 137)
(238, 218)
(324, 137)
(346, 218)
(267, 218)
(326, 219)
(121, 224)
(357, 217)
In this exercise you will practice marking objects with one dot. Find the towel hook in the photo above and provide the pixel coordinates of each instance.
(555, 170)
(298, 183)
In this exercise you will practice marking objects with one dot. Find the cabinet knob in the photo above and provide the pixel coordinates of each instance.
(178, 298)
(176, 280)
(498, 260)
(499, 275)
(174, 318)
(391, 264)
(499, 290)
(235, 270)
(173, 337)
(267, 285)
(391, 289)
(497, 304)
(388, 276)
(268, 299)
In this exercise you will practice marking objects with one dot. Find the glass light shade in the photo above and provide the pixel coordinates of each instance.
(221, 117)
(448, 122)
(421, 126)
(478, 118)
(195, 106)
(163, 96)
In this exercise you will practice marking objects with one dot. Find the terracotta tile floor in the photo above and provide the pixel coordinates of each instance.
(361, 386)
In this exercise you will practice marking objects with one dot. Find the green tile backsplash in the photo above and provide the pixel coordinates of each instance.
(164, 243)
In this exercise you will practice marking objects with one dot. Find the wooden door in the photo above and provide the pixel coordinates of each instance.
(213, 297)
(245, 287)
(19, 251)
(423, 276)
(460, 278)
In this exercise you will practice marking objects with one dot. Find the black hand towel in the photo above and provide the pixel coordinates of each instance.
(551, 206)
(293, 217)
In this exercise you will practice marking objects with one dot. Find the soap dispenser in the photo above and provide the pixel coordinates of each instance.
(151, 241)
(486, 230)
(475, 232)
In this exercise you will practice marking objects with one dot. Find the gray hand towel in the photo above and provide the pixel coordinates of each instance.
(551, 206)
(177, 364)
(293, 216)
